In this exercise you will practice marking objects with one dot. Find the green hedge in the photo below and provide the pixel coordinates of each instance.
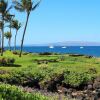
(8, 92)
(44, 76)
(76, 79)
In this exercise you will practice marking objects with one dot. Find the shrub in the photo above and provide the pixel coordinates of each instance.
(25, 77)
(92, 70)
(76, 79)
(3, 61)
(8, 92)
(6, 61)
(45, 53)
(16, 52)
(25, 53)
(76, 55)
(62, 58)
(10, 60)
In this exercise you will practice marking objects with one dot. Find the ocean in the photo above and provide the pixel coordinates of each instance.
(86, 50)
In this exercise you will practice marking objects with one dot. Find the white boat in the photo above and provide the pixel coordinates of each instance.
(81, 47)
(64, 47)
(51, 47)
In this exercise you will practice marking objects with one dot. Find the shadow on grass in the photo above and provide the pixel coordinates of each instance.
(10, 65)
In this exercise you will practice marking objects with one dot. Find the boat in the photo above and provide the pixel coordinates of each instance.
(81, 47)
(64, 47)
(51, 47)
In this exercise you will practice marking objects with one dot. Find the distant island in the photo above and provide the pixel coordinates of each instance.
(70, 43)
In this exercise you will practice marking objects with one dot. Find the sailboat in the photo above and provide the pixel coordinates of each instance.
(51, 47)
(81, 47)
(64, 47)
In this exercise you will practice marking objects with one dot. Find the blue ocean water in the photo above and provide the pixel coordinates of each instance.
(87, 50)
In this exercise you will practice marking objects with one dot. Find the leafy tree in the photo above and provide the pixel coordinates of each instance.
(3, 11)
(25, 6)
(9, 19)
(16, 25)
(8, 36)
(0, 33)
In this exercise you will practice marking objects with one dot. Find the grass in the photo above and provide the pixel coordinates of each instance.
(77, 64)
(71, 63)
(74, 63)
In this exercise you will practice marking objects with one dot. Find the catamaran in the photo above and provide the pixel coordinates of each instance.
(51, 47)
(64, 47)
(81, 47)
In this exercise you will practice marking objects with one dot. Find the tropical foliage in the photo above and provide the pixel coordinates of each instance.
(15, 25)
(9, 20)
(25, 6)
(8, 36)
(8, 92)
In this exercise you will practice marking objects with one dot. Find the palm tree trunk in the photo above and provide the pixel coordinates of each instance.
(2, 44)
(0, 39)
(9, 43)
(24, 34)
(10, 38)
(15, 40)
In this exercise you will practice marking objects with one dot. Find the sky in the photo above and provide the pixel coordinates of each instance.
(61, 20)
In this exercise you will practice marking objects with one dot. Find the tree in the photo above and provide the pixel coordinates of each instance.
(3, 10)
(16, 25)
(9, 19)
(8, 36)
(27, 6)
(0, 33)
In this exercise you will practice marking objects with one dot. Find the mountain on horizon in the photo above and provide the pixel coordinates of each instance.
(70, 43)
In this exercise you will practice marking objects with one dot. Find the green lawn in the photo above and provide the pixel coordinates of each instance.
(72, 63)
(78, 64)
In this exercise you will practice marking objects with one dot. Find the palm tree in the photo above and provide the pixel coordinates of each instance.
(27, 6)
(16, 25)
(0, 33)
(9, 19)
(8, 36)
(3, 10)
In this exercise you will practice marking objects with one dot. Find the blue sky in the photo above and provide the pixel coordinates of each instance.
(62, 20)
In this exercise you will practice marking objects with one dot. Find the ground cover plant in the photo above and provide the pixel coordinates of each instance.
(8, 92)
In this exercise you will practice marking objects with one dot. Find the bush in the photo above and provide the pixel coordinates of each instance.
(46, 53)
(76, 79)
(45, 77)
(76, 55)
(3, 61)
(7, 61)
(16, 52)
(25, 53)
(10, 60)
(28, 76)
(62, 58)
(8, 92)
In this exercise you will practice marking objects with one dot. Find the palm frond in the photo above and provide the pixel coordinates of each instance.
(19, 26)
(8, 17)
(36, 5)
(19, 9)
(1, 24)
(18, 6)
(3, 6)
(9, 8)
(16, 24)
(8, 35)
